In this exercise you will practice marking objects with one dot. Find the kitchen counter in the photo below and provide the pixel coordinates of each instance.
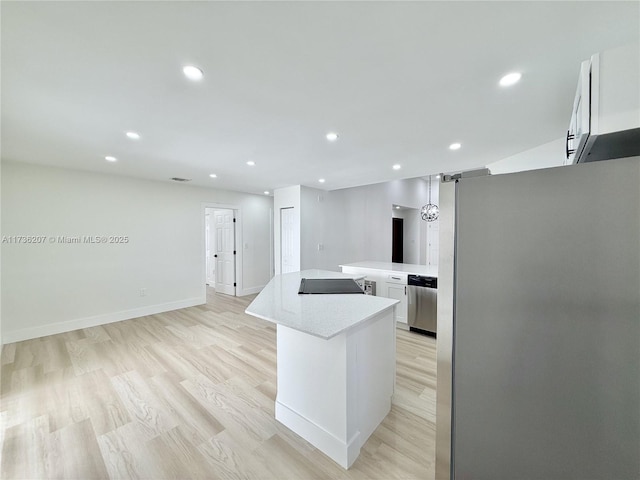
(388, 267)
(323, 316)
(391, 280)
(335, 362)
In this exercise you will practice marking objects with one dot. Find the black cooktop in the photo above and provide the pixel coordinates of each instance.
(329, 285)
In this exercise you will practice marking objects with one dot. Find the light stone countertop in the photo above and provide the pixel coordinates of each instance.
(388, 267)
(324, 316)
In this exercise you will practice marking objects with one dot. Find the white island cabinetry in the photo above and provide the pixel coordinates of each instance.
(336, 362)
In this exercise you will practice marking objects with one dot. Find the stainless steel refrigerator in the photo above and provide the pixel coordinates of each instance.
(539, 324)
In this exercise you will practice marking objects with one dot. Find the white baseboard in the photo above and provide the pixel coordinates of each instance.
(341, 452)
(250, 290)
(70, 325)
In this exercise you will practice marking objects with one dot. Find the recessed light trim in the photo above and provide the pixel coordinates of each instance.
(266, 192)
(192, 73)
(133, 135)
(455, 146)
(251, 163)
(332, 136)
(110, 158)
(510, 79)
(213, 175)
(321, 180)
(396, 167)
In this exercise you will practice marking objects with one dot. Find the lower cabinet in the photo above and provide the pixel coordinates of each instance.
(398, 292)
(389, 286)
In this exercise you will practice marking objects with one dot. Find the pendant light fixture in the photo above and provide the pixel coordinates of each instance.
(430, 212)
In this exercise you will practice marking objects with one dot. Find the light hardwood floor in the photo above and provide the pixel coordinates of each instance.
(188, 394)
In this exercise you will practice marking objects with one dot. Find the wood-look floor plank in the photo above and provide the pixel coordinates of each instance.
(188, 394)
(248, 423)
(142, 405)
(126, 455)
(83, 355)
(102, 403)
(8, 353)
(176, 456)
(24, 448)
(196, 421)
(283, 461)
(229, 460)
(70, 463)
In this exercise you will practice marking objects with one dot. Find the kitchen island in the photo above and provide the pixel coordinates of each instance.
(336, 362)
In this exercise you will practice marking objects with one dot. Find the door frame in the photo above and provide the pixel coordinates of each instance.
(237, 213)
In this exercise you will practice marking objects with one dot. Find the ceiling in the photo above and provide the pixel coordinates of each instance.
(398, 81)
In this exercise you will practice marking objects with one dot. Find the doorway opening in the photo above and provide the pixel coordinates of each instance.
(220, 252)
(408, 234)
(397, 243)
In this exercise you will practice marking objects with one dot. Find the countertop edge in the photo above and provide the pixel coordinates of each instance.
(392, 303)
(409, 271)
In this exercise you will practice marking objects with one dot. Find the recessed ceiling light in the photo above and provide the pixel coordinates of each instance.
(266, 192)
(213, 175)
(133, 135)
(510, 79)
(437, 176)
(251, 163)
(332, 136)
(397, 167)
(193, 73)
(321, 180)
(397, 207)
(109, 158)
(455, 146)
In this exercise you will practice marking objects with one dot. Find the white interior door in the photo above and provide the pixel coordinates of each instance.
(288, 225)
(209, 248)
(225, 269)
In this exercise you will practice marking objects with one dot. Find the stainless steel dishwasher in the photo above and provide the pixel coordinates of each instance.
(422, 296)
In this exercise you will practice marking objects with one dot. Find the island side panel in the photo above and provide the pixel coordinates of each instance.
(334, 393)
(374, 373)
(312, 389)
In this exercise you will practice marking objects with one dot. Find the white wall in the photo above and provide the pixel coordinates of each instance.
(288, 197)
(352, 224)
(52, 287)
(308, 203)
(313, 227)
(359, 219)
(550, 154)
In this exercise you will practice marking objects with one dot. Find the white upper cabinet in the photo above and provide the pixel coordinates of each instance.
(579, 126)
(605, 121)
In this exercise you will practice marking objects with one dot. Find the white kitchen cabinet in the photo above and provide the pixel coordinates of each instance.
(398, 292)
(391, 282)
(605, 121)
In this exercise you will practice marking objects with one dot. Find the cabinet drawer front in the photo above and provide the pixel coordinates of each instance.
(397, 278)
